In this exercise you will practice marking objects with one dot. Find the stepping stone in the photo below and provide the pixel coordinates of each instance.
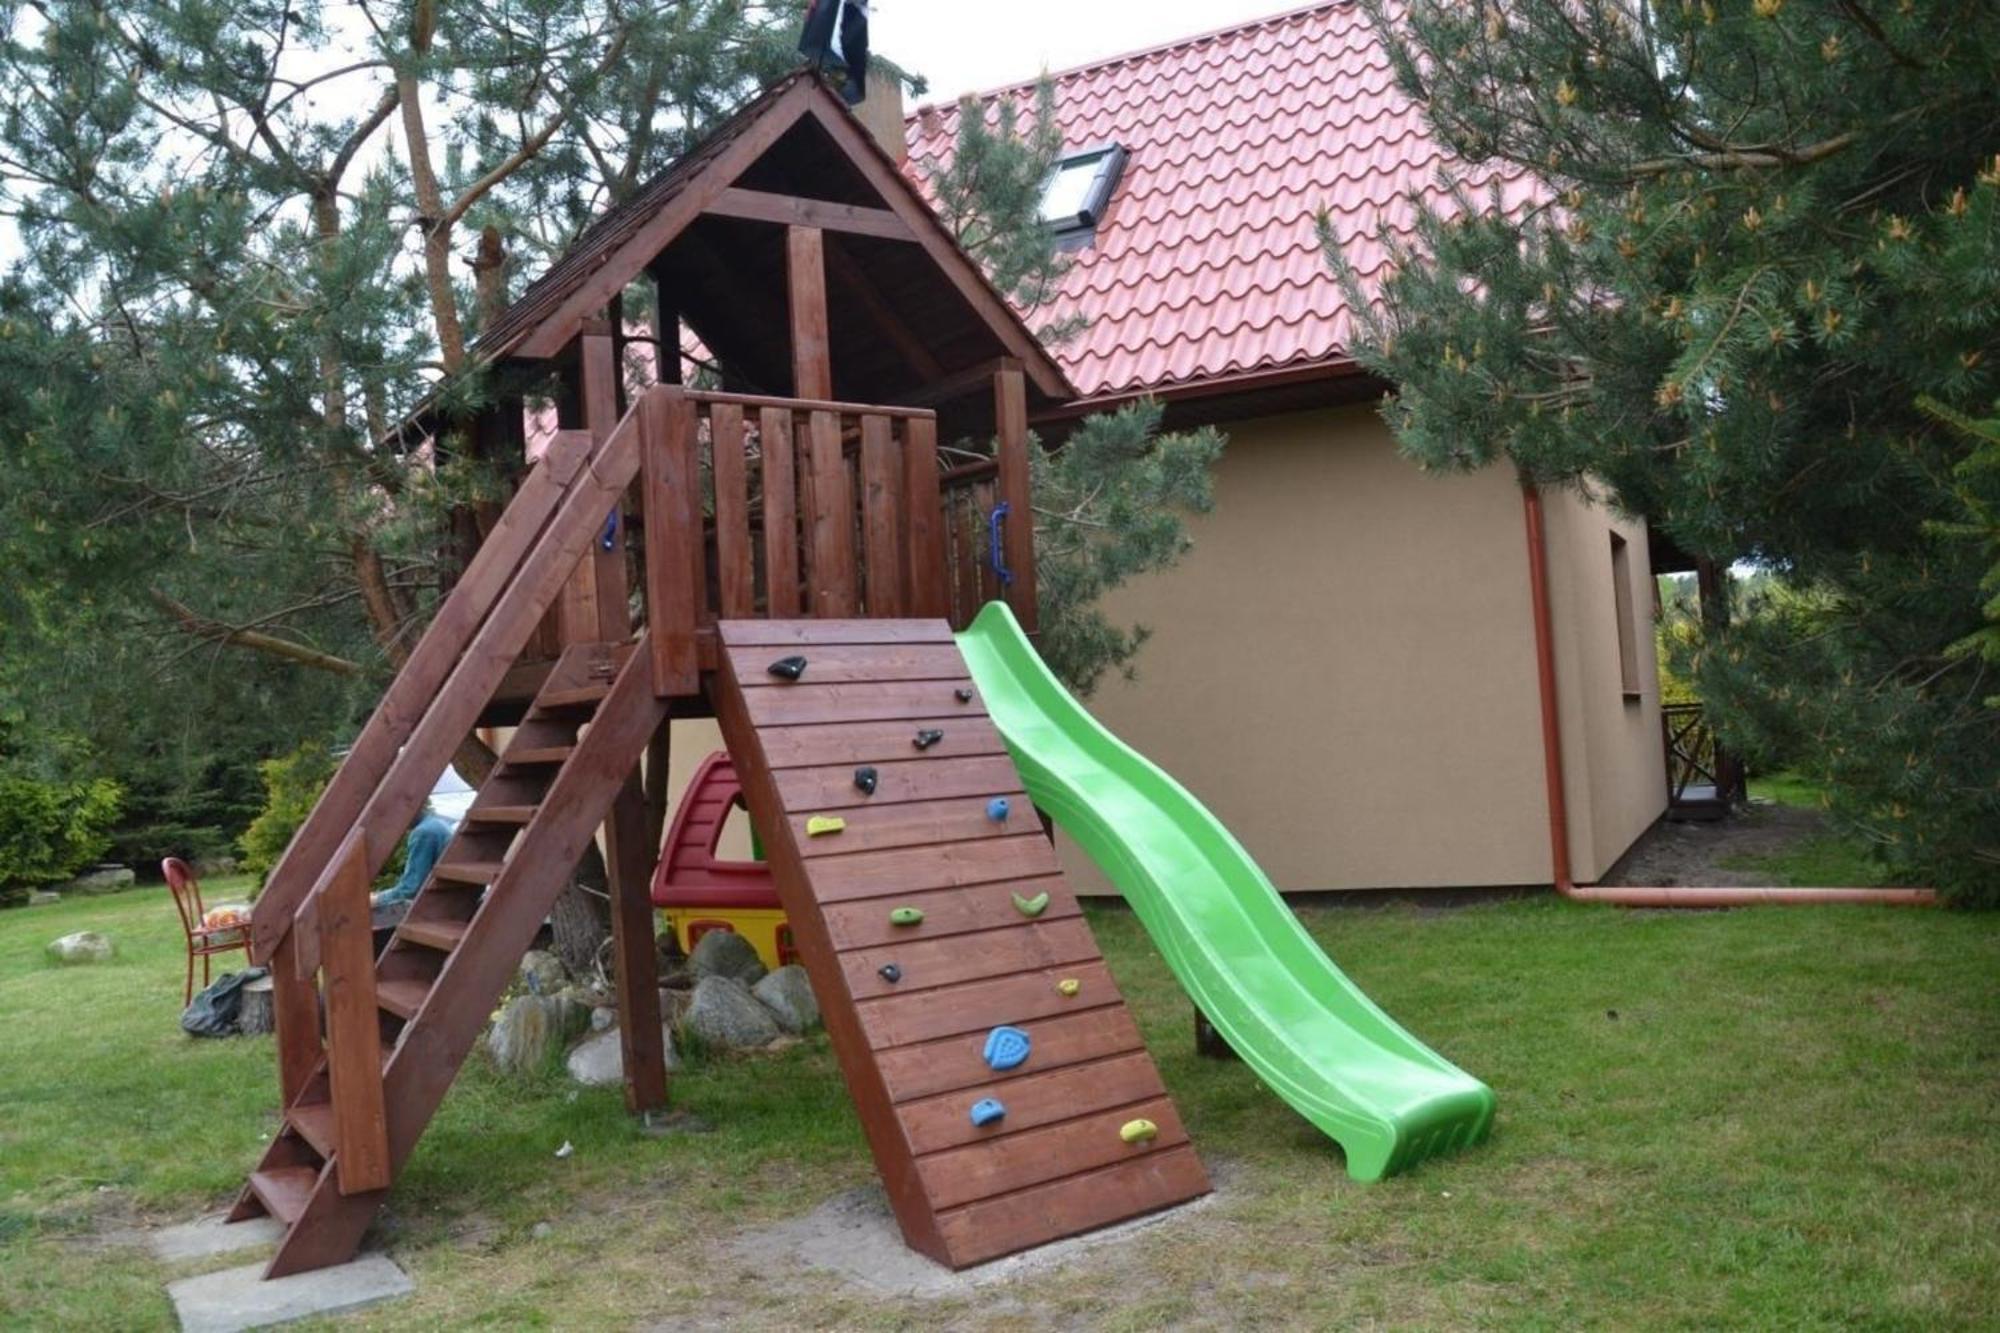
(238, 1298)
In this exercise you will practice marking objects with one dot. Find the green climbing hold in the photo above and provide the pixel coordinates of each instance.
(906, 916)
(1034, 906)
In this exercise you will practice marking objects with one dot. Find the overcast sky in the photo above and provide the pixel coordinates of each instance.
(964, 48)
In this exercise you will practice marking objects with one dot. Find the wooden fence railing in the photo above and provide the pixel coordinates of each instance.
(1699, 770)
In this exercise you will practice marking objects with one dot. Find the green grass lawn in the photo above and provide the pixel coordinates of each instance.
(1816, 859)
(1763, 1118)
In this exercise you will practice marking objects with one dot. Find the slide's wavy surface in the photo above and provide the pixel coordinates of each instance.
(1295, 1018)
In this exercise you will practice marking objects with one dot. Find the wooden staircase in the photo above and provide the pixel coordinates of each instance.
(910, 1042)
(366, 1054)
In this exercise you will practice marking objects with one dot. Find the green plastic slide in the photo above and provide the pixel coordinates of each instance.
(1244, 959)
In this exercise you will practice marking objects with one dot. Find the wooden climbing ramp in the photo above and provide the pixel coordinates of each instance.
(910, 1007)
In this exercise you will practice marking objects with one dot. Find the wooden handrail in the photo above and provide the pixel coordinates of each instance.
(755, 400)
(470, 602)
(537, 579)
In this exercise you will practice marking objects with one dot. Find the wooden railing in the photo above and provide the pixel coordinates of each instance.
(1696, 761)
(775, 507)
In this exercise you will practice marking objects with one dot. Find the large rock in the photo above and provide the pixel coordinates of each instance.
(43, 897)
(542, 973)
(674, 1006)
(598, 1061)
(86, 946)
(102, 879)
(531, 1029)
(724, 953)
(724, 1015)
(789, 996)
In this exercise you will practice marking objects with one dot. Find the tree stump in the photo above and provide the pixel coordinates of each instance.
(257, 1015)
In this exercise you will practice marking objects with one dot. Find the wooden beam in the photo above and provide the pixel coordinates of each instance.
(628, 860)
(610, 583)
(353, 1026)
(694, 195)
(676, 583)
(805, 284)
(901, 197)
(960, 384)
(791, 211)
(1010, 428)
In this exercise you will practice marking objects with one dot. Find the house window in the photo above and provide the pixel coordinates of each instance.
(1073, 202)
(1628, 624)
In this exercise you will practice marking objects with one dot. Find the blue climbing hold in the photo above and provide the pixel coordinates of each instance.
(996, 809)
(1005, 1048)
(986, 1110)
(608, 541)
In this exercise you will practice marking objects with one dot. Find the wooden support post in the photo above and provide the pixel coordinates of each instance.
(781, 520)
(295, 1001)
(805, 275)
(353, 1024)
(1010, 428)
(881, 532)
(608, 581)
(675, 582)
(831, 521)
(659, 753)
(628, 859)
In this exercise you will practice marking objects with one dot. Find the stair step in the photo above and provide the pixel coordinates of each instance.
(402, 996)
(532, 756)
(469, 872)
(284, 1190)
(500, 814)
(442, 935)
(314, 1123)
(583, 696)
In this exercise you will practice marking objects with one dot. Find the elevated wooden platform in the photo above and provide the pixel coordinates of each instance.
(910, 1041)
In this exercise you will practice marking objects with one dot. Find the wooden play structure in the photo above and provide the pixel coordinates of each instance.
(801, 509)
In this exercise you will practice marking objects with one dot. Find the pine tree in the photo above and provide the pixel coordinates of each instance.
(1768, 228)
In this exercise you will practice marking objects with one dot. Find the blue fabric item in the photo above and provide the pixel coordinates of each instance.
(427, 840)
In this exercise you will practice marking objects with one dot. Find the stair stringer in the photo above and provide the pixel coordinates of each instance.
(437, 1039)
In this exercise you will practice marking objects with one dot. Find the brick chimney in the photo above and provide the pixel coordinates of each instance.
(882, 113)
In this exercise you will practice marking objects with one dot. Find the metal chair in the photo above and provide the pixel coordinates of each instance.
(203, 941)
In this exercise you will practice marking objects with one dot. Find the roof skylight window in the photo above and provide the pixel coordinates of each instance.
(1073, 202)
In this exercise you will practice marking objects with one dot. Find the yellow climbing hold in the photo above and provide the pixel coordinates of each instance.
(1139, 1131)
(820, 825)
(1069, 985)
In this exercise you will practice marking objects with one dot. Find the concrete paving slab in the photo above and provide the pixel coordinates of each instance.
(206, 1237)
(235, 1298)
(854, 1237)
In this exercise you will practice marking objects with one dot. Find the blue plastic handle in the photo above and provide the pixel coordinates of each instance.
(993, 522)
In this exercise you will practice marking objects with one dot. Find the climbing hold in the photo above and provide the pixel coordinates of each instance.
(1034, 906)
(788, 668)
(1139, 1131)
(865, 779)
(1005, 1048)
(1069, 986)
(986, 1110)
(996, 809)
(906, 916)
(609, 540)
(963, 694)
(927, 738)
(890, 973)
(819, 825)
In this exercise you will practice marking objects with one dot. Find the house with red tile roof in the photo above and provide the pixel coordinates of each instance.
(1378, 678)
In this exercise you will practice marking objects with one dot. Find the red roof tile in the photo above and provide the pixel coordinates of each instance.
(1206, 263)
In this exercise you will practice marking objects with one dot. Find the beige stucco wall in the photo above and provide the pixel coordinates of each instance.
(1343, 668)
(1613, 753)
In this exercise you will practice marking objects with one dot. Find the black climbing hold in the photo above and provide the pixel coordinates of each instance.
(928, 737)
(963, 695)
(890, 973)
(788, 668)
(865, 779)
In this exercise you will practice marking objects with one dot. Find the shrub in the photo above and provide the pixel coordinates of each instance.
(49, 831)
(292, 783)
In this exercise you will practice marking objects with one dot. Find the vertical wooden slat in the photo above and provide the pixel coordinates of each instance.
(781, 521)
(732, 511)
(808, 506)
(923, 518)
(353, 1024)
(1010, 416)
(674, 576)
(601, 373)
(805, 275)
(833, 590)
(881, 533)
(295, 1011)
